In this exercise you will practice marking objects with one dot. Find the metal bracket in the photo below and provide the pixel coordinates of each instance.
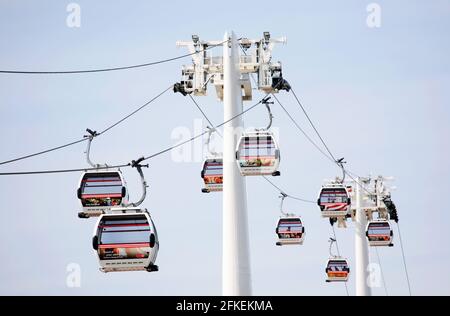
(332, 241)
(267, 103)
(211, 130)
(136, 164)
(340, 162)
(91, 136)
(283, 196)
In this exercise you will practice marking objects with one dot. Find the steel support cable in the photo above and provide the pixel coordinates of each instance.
(273, 184)
(404, 260)
(401, 245)
(270, 182)
(330, 157)
(381, 271)
(357, 182)
(302, 131)
(204, 114)
(201, 134)
(62, 170)
(127, 165)
(312, 125)
(109, 69)
(86, 138)
(284, 193)
(43, 152)
(316, 146)
(352, 175)
(345, 171)
(291, 117)
(271, 116)
(135, 111)
(339, 254)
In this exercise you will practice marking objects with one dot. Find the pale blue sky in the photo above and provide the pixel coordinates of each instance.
(379, 97)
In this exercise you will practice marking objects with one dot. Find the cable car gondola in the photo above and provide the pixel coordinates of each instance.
(126, 240)
(99, 190)
(380, 233)
(258, 154)
(212, 175)
(212, 172)
(334, 200)
(337, 270)
(290, 230)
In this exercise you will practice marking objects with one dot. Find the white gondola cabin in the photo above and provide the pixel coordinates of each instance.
(334, 200)
(290, 231)
(380, 233)
(337, 270)
(126, 241)
(101, 190)
(212, 175)
(258, 154)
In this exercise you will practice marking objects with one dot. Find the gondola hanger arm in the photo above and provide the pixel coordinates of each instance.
(211, 130)
(332, 241)
(340, 162)
(137, 164)
(266, 101)
(91, 136)
(283, 196)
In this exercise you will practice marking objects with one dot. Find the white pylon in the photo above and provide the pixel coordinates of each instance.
(231, 77)
(236, 279)
(361, 245)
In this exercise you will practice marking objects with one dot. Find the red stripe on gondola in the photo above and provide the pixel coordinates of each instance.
(339, 274)
(123, 225)
(136, 245)
(260, 156)
(256, 139)
(343, 192)
(334, 206)
(87, 196)
(259, 144)
(103, 180)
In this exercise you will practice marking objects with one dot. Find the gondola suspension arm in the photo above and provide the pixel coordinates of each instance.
(283, 196)
(211, 130)
(341, 163)
(91, 136)
(331, 241)
(136, 164)
(267, 103)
